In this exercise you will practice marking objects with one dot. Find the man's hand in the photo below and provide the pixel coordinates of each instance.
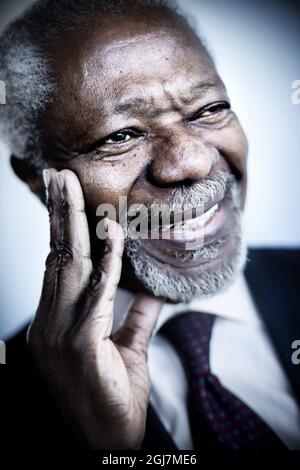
(100, 381)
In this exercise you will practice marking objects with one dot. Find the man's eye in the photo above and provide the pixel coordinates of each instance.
(212, 109)
(119, 137)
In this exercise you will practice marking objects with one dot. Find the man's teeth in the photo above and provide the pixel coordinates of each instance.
(195, 222)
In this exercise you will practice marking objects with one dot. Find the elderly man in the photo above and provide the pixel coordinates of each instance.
(141, 342)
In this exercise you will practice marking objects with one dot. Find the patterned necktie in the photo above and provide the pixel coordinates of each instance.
(218, 419)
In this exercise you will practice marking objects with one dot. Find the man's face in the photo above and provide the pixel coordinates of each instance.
(141, 112)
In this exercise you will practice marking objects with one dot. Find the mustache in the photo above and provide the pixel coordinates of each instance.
(188, 201)
(202, 193)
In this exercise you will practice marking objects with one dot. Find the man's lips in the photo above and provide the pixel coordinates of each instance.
(201, 229)
(191, 224)
(197, 228)
(214, 229)
(171, 227)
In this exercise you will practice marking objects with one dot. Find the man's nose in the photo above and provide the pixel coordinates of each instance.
(181, 160)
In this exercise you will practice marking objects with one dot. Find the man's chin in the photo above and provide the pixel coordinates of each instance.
(186, 275)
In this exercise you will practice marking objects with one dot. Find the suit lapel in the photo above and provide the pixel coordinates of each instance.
(156, 436)
(273, 276)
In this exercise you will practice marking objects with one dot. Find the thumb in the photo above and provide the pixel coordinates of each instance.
(136, 331)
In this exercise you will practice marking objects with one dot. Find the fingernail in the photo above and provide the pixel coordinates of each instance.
(60, 181)
(46, 178)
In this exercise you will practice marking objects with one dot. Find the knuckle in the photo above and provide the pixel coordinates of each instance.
(54, 208)
(141, 348)
(65, 208)
(81, 258)
(50, 207)
(64, 253)
(61, 252)
(95, 279)
(134, 339)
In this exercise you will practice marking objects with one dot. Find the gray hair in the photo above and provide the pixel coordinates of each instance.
(26, 71)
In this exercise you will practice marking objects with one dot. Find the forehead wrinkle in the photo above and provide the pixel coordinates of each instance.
(173, 102)
(100, 52)
(149, 94)
(188, 96)
(118, 44)
(199, 90)
(94, 65)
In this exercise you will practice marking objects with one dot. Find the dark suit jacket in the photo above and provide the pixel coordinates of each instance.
(32, 418)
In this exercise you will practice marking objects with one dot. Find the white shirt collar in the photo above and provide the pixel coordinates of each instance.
(235, 303)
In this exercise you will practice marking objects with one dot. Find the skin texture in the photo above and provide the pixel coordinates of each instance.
(174, 140)
(101, 381)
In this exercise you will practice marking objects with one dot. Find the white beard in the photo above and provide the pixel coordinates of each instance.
(170, 283)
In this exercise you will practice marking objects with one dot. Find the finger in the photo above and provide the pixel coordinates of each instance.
(136, 331)
(69, 265)
(75, 237)
(104, 280)
(48, 289)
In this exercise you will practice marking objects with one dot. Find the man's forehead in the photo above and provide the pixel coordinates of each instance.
(128, 68)
(157, 52)
(111, 73)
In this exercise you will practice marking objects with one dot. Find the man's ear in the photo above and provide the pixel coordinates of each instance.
(28, 173)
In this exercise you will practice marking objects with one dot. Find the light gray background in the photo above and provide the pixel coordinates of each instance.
(256, 47)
